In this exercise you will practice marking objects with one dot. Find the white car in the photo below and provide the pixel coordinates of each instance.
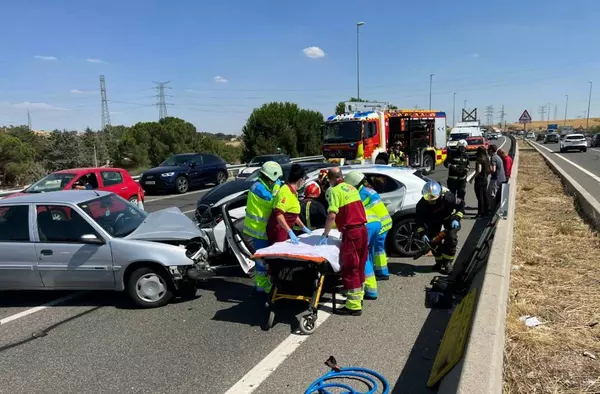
(400, 189)
(573, 142)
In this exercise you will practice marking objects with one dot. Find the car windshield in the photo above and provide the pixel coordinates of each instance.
(575, 137)
(260, 160)
(458, 136)
(51, 183)
(475, 141)
(115, 215)
(176, 160)
(348, 131)
(254, 176)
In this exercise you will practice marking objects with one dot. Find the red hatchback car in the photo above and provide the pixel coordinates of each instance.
(115, 180)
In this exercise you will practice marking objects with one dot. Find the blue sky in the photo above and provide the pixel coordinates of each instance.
(224, 58)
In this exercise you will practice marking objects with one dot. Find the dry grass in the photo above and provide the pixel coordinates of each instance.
(558, 281)
(570, 122)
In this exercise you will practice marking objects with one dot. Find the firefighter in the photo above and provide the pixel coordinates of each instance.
(379, 223)
(439, 208)
(457, 164)
(312, 212)
(348, 214)
(397, 156)
(324, 184)
(286, 209)
(259, 206)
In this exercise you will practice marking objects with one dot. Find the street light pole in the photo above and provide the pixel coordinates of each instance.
(358, 25)
(430, 83)
(587, 122)
(454, 110)
(566, 108)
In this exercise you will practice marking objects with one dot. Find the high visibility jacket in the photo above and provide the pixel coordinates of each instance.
(259, 206)
(344, 200)
(375, 208)
(397, 158)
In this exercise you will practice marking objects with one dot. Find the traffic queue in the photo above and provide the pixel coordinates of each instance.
(280, 212)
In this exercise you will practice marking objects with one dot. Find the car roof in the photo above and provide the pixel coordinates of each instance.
(85, 169)
(59, 197)
(575, 135)
(396, 172)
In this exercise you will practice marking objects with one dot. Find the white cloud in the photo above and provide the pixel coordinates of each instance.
(475, 55)
(79, 91)
(314, 52)
(219, 79)
(45, 57)
(39, 106)
(93, 60)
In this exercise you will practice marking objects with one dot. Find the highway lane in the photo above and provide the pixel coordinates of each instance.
(210, 343)
(584, 167)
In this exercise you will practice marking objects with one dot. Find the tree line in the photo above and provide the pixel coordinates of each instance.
(26, 156)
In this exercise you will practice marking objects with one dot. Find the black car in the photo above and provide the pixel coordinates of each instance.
(540, 137)
(551, 138)
(230, 188)
(180, 172)
(595, 140)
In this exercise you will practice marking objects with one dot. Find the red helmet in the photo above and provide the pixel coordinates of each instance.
(312, 190)
(322, 176)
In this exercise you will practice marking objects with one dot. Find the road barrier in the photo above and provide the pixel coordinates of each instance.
(587, 204)
(232, 169)
(479, 370)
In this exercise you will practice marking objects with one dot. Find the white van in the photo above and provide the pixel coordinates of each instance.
(462, 131)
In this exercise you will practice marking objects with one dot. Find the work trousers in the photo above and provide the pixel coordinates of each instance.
(381, 266)
(354, 252)
(482, 197)
(458, 187)
(373, 230)
(262, 282)
(446, 252)
(494, 192)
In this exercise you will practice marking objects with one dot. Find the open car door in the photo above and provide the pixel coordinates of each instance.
(241, 246)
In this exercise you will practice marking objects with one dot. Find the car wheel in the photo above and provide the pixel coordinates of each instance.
(182, 185)
(221, 177)
(584, 150)
(149, 288)
(428, 164)
(58, 215)
(133, 200)
(403, 241)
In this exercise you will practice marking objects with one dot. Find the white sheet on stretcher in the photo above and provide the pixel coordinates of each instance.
(308, 249)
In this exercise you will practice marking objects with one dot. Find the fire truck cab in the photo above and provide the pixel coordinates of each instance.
(365, 137)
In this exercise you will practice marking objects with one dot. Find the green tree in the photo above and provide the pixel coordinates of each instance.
(64, 151)
(340, 108)
(282, 125)
(16, 159)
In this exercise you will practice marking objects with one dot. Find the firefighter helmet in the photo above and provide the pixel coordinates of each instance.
(312, 190)
(271, 170)
(432, 190)
(462, 144)
(354, 178)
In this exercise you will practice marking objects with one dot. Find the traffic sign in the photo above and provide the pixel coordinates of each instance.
(525, 117)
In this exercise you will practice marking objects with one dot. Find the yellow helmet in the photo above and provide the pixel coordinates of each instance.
(354, 178)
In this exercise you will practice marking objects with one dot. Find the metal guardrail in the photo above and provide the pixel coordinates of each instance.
(233, 169)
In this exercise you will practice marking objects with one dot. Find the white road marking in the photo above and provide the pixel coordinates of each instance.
(595, 150)
(175, 195)
(580, 168)
(257, 375)
(31, 311)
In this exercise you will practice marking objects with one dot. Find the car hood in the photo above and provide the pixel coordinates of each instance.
(168, 224)
(160, 170)
(249, 170)
(224, 190)
(16, 195)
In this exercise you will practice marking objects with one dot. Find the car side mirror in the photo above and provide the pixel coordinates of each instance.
(91, 239)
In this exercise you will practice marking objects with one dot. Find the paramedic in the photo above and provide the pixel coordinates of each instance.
(348, 213)
(397, 157)
(378, 223)
(286, 209)
(439, 208)
(457, 164)
(258, 209)
(312, 212)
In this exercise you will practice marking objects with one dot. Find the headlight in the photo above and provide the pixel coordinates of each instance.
(167, 174)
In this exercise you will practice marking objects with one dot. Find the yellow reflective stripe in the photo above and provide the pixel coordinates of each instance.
(372, 218)
(257, 218)
(254, 233)
(437, 258)
(307, 214)
(459, 214)
(447, 256)
(420, 229)
(385, 227)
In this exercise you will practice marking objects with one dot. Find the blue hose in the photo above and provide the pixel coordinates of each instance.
(369, 378)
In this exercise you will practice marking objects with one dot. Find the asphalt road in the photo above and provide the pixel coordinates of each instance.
(584, 167)
(96, 343)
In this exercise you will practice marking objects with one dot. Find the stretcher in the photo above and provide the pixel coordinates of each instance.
(302, 272)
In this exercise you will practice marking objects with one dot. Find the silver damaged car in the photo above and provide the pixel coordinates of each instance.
(94, 240)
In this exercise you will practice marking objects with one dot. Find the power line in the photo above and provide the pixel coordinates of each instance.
(105, 117)
(502, 115)
(29, 120)
(542, 112)
(162, 104)
(555, 111)
(489, 113)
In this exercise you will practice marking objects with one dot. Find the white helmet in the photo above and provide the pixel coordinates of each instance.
(271, 170)
(462, 144)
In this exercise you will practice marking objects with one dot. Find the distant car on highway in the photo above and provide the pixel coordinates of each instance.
(101, 242)
(540, 137)
(595, 140)
(530, 135)
(181, 172)
(551, 138)
(115, 180)
(258, 161)
(473, 143)
(573, 142)
(399, 187)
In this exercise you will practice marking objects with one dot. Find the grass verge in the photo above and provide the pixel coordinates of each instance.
(558, 281)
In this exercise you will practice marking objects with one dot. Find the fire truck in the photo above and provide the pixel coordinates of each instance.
(364, 137)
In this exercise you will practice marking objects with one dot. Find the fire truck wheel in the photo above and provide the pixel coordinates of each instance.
(428, 164)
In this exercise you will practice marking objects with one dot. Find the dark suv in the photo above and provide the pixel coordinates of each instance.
(595, 140)
(180, 172)
(551, 138)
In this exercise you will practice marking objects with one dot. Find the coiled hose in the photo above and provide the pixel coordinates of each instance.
(370, 378)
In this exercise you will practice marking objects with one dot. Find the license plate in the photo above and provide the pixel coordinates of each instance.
(150, 182)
